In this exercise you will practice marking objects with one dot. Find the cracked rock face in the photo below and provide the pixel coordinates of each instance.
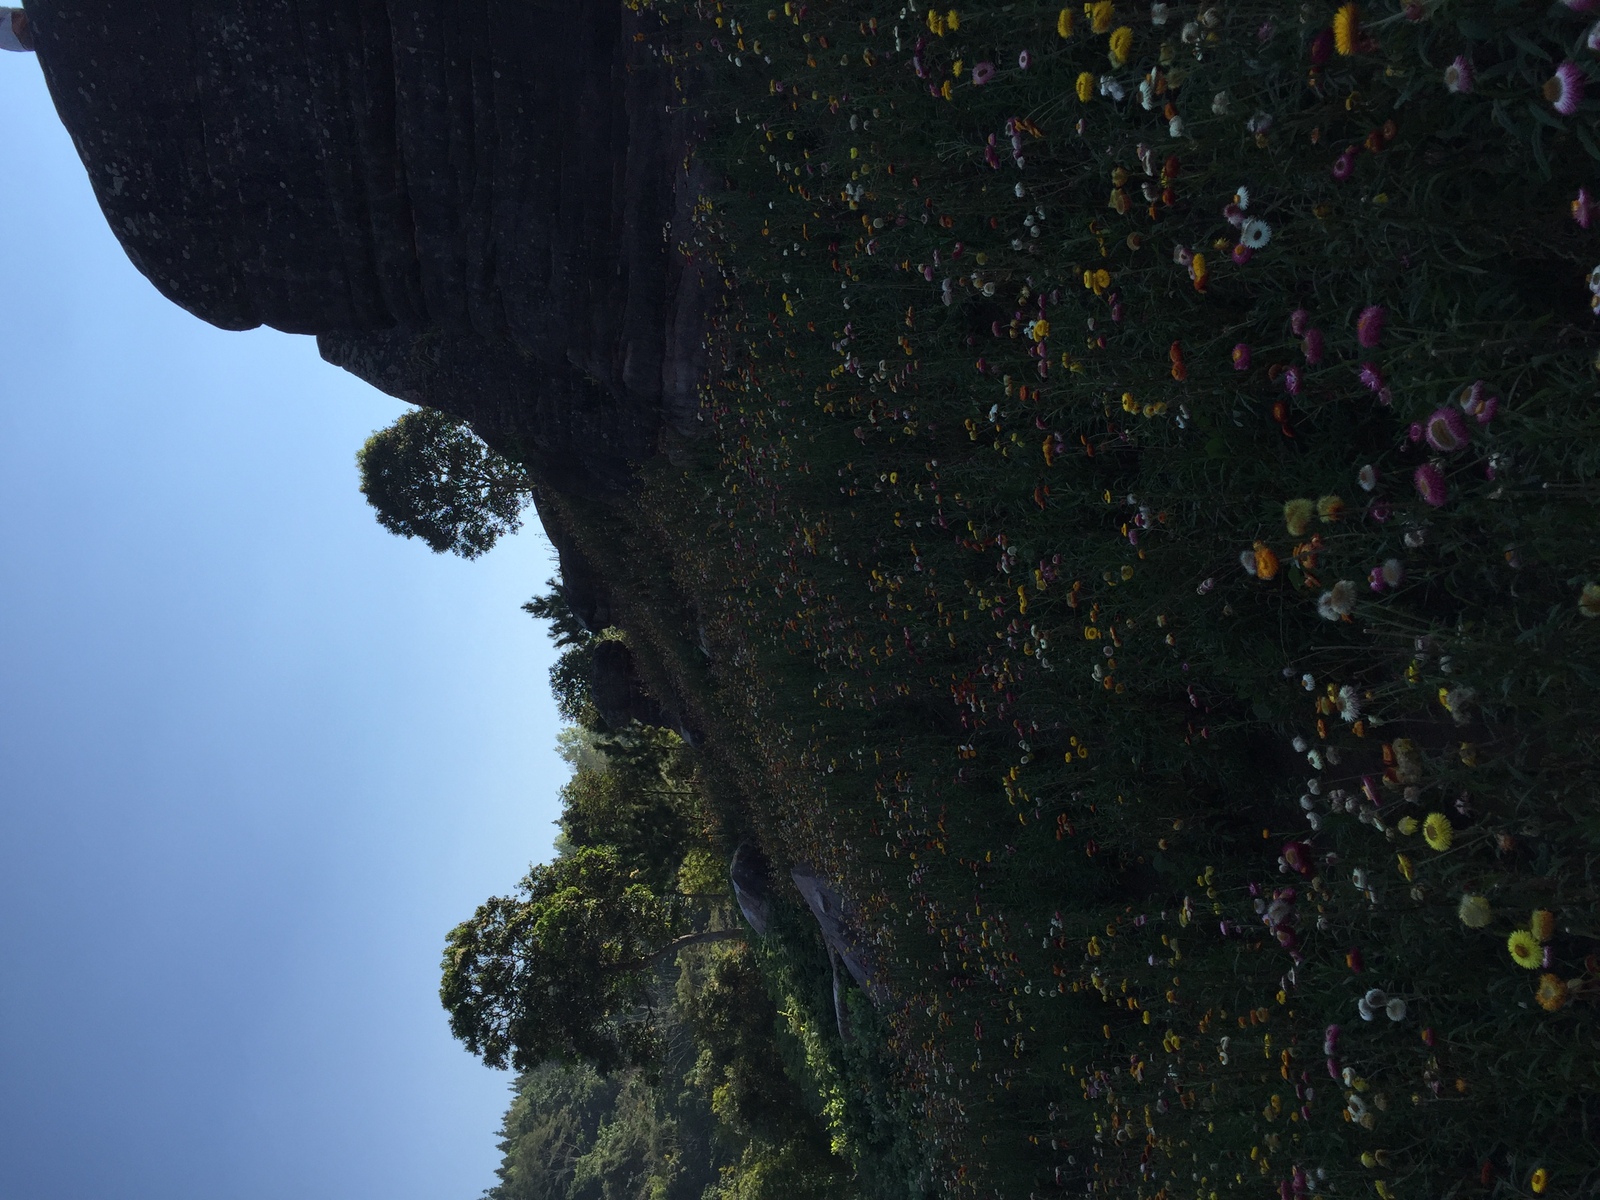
(471, 204)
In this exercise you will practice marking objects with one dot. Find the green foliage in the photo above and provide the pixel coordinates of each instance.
(429, 476)
(560, 969)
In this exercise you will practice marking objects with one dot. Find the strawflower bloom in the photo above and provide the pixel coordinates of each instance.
(982, 73)
(1458, 76)
(1592, 39)
(1429, 480)
(1369, 326)
(1023, 60)
(1345, 164)
(1564, 89)
(1539, 1180)
(1446, 431)
(1589, 600)
(1474, 911)
(1298, 320)
(1291, 381)
(1085, 84)
(1120, 45)
(1255, 233)
(1346, 26)
(1338, 601)
(1583, 208)
(1100, 15)
(1479, 401)
(1438, 832)
(1367, 477)
(1542, 924)
(1241, 357)
(1297, 516)
(1064, 23)
(1266, 562)
(1524, 949)
(1371, 376)
(1330, 508)
(1313, 347)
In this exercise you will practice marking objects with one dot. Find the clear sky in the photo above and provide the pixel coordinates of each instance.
(256, 755)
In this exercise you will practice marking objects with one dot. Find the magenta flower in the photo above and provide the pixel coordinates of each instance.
(1313, 347)
(1430, 485)
(1583, 208)
(1479, 402)
(1241, 357)
(1446, 431)
(1369, 325)
(1297, 321)
(982, 73)
(1291, 381)
(1345, 164)
(1564, 89)
(1241, 253)
(1371, 377)
(1458, 76)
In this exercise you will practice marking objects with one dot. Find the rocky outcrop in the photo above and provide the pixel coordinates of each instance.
(471, 204)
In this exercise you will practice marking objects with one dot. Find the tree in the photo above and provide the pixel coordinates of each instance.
(431, 477)
(562, 969)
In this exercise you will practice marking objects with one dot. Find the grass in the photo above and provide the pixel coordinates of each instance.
(1109, 608)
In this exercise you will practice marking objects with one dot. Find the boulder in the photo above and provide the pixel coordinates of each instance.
(471, 204)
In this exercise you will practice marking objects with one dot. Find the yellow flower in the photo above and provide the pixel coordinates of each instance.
(1438, 832)
(955, 68)
(1100, 14)
(1589, 601)
(1064, 24)
(1266, 561)
(935, 23)
(1552, 993)
(1297, 516)
(1404, 863)
(1121, 45)
(1407, 826)
(1085, 86)
(952, 20)
(1542, 924)
(1524, 948)
(1538, 1181)
(1474, 911)
(1330, 508)
(1346, 22)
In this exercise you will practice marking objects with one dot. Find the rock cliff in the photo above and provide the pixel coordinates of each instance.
(470, 203)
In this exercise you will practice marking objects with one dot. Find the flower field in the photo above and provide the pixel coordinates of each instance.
(1145, 541)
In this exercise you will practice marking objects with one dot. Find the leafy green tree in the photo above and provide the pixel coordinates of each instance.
(562, 969)
(429, 476)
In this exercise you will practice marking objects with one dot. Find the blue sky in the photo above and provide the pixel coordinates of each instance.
(256, 755)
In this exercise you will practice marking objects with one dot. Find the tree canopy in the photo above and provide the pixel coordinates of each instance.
(429, 476)
(561, 970)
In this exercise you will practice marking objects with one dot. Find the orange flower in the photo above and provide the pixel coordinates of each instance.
(1266, 561)
(1552, 992)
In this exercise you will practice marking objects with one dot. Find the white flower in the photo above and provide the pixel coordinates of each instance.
(1365, 1009)
(1175, 127)
(1255, 233)
(1393, 572)
(1159, 13)
(1110, 87)
(1220, 103)
(1247, 560)
(1242, 197)
(1395, 1009)
(1147, 94)
(1190, 34)
(1349, 703)
(1367, 477)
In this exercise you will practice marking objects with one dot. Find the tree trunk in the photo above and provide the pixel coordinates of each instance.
(692, 939)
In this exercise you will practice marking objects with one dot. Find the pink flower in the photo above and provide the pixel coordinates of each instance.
(1479, 402)
(1446, 431)
(1564, 89)
(1369, 325)
(1430, 485)
(1371, 377)
(1313, 346)
(982, 73)
(1458, 76)
(1345, 164)
(1241, 357)
(1297, 857)
(1241, 254)
(1291, 381)
(1233, 214)
(1023, 60)
(1297, 321)
(1583, 208)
